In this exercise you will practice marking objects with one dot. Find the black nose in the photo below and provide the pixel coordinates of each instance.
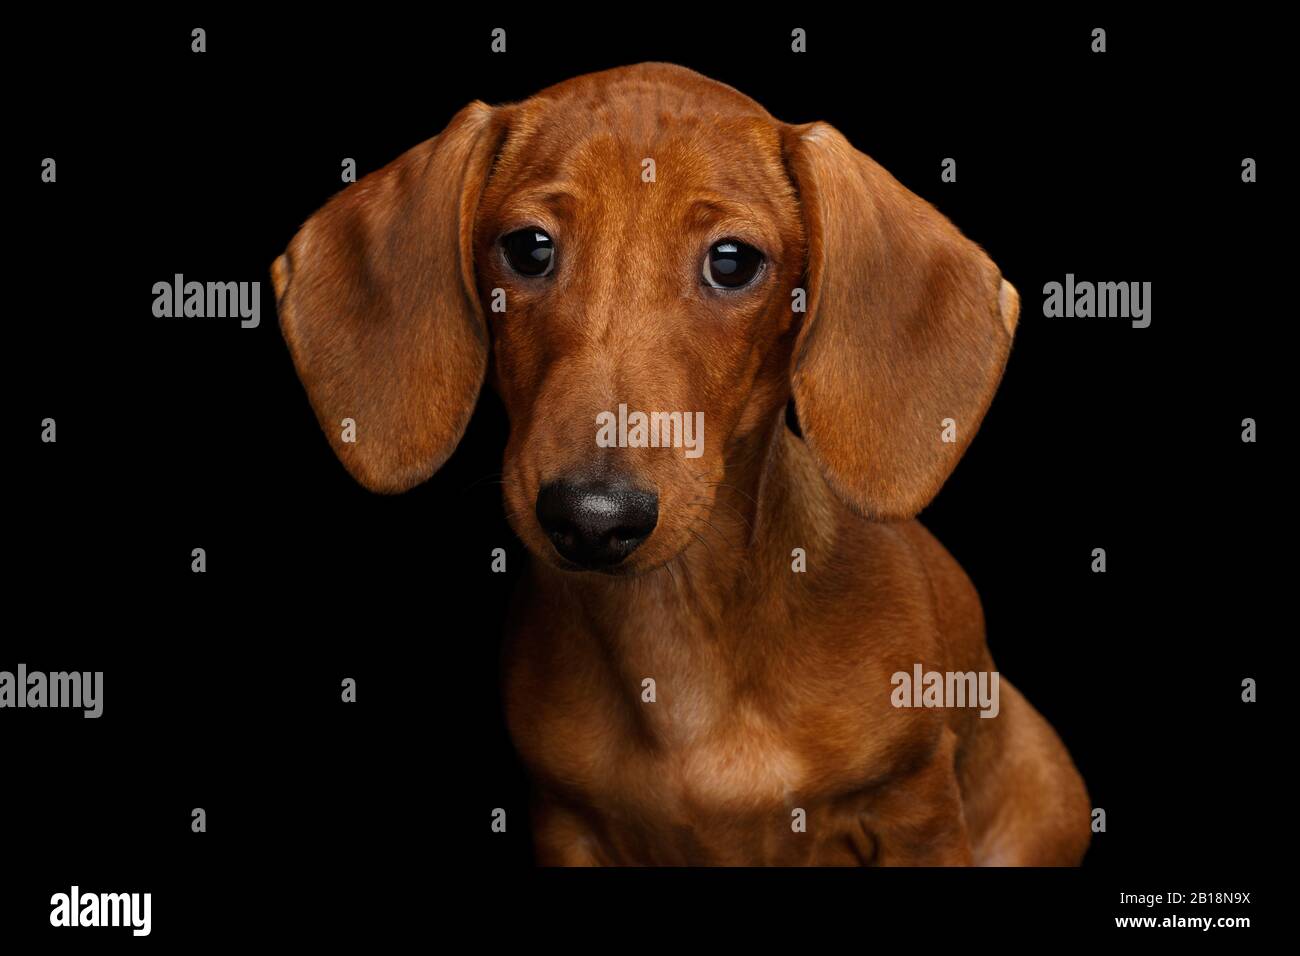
(596, 524)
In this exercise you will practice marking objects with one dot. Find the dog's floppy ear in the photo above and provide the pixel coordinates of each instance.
(377, 303)
(909, 324)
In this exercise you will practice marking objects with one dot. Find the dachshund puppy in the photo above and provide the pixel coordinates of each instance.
(704, 661)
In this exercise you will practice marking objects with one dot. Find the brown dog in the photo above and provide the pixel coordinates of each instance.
(649, 238)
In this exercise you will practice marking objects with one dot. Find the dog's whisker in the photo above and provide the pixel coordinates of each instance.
(734, 510)
(739, 491)
(668, 566)
(491, 478)
(700, 514)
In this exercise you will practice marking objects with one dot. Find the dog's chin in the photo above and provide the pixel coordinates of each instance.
(624, 568)
(628, 567)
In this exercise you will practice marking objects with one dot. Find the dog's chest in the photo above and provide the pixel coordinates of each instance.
(730, 790)
(706, 759)
(682, 772)
(685, 750)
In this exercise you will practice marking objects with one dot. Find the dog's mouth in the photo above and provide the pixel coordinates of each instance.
(609, 556)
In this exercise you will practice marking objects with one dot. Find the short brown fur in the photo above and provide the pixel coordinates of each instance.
(773, 687)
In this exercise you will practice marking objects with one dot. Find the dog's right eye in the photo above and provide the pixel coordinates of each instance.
(530, 252)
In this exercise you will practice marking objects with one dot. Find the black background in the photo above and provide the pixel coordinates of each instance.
(371, 820)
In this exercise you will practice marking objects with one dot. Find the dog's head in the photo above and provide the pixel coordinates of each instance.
(648, 266)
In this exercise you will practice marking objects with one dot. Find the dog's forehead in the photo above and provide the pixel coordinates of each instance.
(653, 122)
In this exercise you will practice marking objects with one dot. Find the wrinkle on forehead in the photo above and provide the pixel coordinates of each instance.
(625, 115)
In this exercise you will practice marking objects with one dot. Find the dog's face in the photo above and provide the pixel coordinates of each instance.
(645, 241)
(648, 266)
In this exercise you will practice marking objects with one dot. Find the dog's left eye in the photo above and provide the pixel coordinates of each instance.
(530, 252)
(731, 264)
